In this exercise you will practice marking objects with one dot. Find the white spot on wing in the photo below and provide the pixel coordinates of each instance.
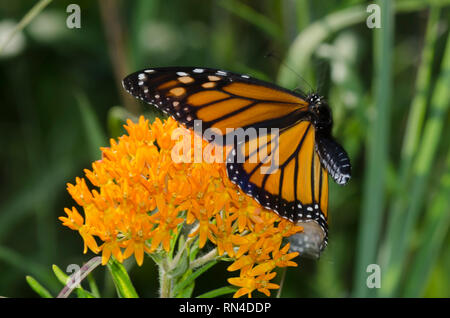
(182, 74)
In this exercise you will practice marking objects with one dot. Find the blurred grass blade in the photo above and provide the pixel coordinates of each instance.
(419, 103)
(124, 286)
(34, 11)
(416, 118)
(191, 278)
(377, 151)
(38, 288)
(422, 167)
(432, 238)
(249, 14)
(218, 292)
(94, 133)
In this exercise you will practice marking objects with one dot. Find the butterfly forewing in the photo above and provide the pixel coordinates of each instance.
(219, 99)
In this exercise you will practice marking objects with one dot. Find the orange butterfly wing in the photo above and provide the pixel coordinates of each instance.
(219, 99)
(281, 171)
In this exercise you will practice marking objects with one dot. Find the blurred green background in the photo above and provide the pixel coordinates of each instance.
(388, 87)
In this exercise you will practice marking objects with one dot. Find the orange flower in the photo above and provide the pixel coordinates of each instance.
(280, 258)
(167, 221)
(74, 220)
(142, 196)
(248, 284)
(223, 235)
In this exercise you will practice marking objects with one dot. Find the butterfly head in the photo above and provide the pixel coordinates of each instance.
(320, 112)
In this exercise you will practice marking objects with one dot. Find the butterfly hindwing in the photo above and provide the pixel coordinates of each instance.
(334, 159)
(282, 171)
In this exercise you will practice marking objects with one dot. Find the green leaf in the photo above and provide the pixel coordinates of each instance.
(187, 292)
(193, 251)
(60, 275)
(176, 238)
(81, 293)
(124, 286)
(218, 292)
(191, 278)
(38, 288)
(93, 286)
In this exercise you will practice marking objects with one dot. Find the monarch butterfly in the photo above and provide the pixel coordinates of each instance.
(304, 149)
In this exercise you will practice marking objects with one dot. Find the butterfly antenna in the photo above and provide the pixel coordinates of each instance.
(279, 60)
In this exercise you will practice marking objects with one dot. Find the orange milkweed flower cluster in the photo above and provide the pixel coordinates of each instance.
(141, 198)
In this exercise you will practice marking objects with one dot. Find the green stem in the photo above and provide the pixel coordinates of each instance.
(283, 277)
(208, 257)
(164, 280)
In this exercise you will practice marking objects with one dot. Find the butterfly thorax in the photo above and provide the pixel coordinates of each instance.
(320, 113)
